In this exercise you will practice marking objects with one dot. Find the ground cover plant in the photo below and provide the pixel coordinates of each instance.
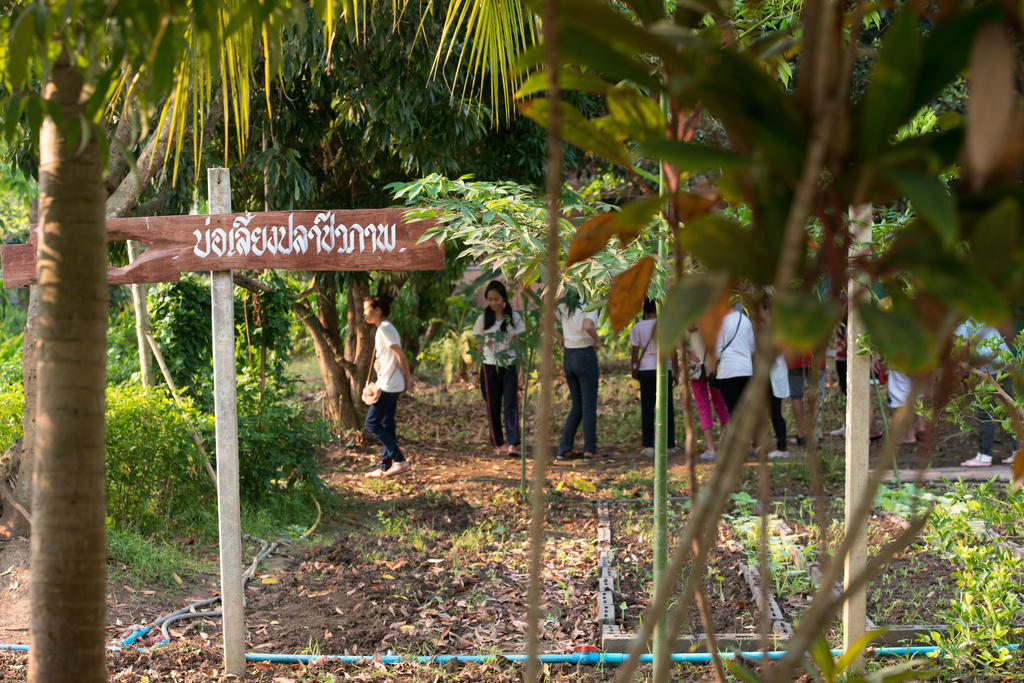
(433, 563)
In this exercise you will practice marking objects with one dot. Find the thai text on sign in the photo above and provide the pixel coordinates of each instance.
(371, 239)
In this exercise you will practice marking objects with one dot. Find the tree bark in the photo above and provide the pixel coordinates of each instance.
(68, 543)
(12, 522)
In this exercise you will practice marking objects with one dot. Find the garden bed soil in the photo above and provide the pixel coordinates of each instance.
(730, 601)
(336, 597)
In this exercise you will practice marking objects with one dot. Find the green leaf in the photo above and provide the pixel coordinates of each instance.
(887, 100)
(741, 672)
(822, 656)
(946, 50)
(931, 200)
(579, 131)
(22, 39)
(802, 320)
(692, 157)
(638, 116)
(963, 290)
(723, 244)
(34, 114)
(900, 338)
(994, 238)
(605, 59)
(685, 302)
(856, 648)
(568, 79)
(12, 114)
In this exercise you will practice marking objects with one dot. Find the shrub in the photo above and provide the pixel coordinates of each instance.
(154, 470)
(277, 440)
(12, 405)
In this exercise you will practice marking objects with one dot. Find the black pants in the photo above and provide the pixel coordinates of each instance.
(778, 422)
(732, 388)
(648, 391)
(500, 386)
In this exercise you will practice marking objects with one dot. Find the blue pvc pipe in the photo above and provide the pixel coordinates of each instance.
(591, 658)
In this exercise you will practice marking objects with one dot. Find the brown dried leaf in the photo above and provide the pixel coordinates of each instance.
(591, 237)
(691, 205)
(990, 106)
(628, 291)
(1018, 468)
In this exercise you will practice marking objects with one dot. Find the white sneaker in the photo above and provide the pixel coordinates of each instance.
(838, 432)
(707, 456)
(647, 452)
(778, 454)
(979, 460)
(1009, 461)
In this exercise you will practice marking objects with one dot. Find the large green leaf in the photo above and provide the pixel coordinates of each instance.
(963, 290)
(901, 339)
(692, 157)
(931, 200)
(802, 321)
(568, 79)
(754, 109)
(684, 304)
(606, 60)
(637, 115)
(579, 131)
(994, 238)
(946, 49)
(893, 78)
(608, 28)
(723, 244)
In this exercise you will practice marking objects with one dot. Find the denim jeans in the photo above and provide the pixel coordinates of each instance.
(582, 375)
(648, 392)
(380, 421)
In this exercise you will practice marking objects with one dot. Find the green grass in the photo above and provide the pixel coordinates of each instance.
(154, 561)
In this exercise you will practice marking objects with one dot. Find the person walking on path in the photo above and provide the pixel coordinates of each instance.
(985, 342)
(705, 396)
(644, 357)
(580, 344)
(393, 377)
(778, 389)
(497, 327)
(735, 351)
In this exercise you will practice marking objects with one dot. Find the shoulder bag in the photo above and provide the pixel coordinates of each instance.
(635, 370)
(371, 392)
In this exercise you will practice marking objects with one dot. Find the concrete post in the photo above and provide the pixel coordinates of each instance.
(858, 428)
(222, 293)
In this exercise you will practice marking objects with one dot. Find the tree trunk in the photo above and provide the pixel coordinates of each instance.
(12, 523)
(68, 541)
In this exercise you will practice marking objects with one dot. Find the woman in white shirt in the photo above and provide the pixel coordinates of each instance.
(735, 351)
(645, 361)
(497, 327)
(579, 360)
(393, 377)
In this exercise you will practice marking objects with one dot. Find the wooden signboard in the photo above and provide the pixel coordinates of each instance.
(370, 239)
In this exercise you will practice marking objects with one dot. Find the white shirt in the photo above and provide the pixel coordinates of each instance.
(735, 346)
(389, 371)
(640, 336)
(572, 326)
(985, 341)
(498, 348)
(779, 375)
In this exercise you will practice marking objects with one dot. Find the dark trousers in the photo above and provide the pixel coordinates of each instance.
(582, 375)
(501, 386)
(648, 390)
(732, 388)
(778, 422)
(987, 426)
(380, 421)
